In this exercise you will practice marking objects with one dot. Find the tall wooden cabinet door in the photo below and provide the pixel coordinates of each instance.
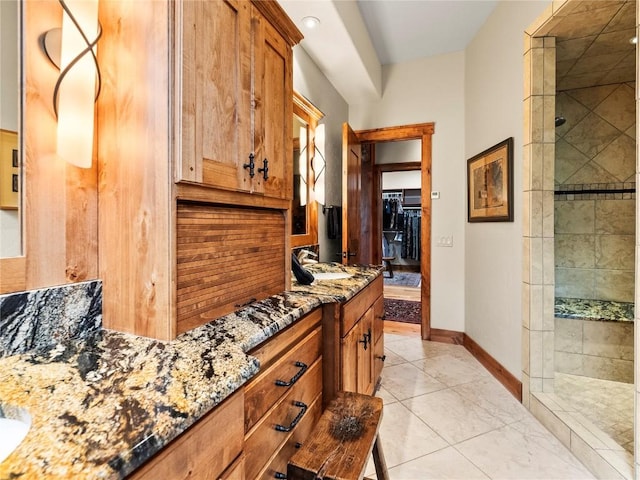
(349, 360)
(216, 92)
(273, 107)
(365, 353)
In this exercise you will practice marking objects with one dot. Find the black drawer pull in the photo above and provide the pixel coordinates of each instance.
(303, 409)
(265, 169)
(303, 368)
(279, 475)
(251, 165)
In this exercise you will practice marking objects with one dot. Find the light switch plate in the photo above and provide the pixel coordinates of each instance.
(435, 195)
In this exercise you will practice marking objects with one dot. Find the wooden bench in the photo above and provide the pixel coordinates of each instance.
(341, 442)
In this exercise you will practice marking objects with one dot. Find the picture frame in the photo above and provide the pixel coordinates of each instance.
(490, 184)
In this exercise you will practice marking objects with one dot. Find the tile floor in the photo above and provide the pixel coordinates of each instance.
(608, 404)
(446, 417)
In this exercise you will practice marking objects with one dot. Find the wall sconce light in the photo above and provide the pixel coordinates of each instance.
(79, 82)
(319, 165)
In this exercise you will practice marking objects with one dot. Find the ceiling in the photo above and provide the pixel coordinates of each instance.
(356, 38)
(593, 44)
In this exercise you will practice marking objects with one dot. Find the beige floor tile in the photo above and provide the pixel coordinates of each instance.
(406, 381)
(524, 450)
(455, 421)
(413, 348)
(494, 398)
(444, 464)
(453, 370)
(386, 396)
(392, 358)
(405, 437)
(453, 417)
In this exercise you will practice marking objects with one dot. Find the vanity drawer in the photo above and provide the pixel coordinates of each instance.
(270, 350)
(265, 439)
(298, 437)
(262, 392)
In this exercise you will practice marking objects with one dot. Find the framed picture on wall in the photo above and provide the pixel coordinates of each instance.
(490, 184)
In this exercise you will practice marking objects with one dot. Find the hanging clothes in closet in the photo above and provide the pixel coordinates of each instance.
(392, 214)
(411, 234)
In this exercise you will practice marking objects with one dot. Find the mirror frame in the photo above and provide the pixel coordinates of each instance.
(13, 269)
(309, 114)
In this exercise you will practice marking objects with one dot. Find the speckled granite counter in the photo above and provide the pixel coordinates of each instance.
(599, 310)
(102, 407)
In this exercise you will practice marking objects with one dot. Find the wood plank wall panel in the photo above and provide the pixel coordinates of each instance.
(226, 256)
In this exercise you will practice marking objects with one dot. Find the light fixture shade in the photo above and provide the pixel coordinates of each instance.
(319, 165)
(77, 90)
(302, 166)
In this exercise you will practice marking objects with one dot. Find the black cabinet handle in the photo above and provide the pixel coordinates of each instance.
(382, 357)
(364, 340)
(279, 475)
(251, 165)
(303, 409)
(265, 169)
(303, 368)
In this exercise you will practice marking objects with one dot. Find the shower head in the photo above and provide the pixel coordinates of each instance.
(560, 120)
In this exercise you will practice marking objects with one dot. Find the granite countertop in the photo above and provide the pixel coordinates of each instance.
(102, 407)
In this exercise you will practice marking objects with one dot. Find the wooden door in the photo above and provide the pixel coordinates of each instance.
(216, 93)
(351, 191)
(273, 104)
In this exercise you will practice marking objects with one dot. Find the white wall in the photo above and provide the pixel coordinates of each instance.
(400, 180)
(493, 112)
(310, 82)
(432, 90)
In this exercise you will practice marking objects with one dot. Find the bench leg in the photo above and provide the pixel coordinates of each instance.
(378, 461)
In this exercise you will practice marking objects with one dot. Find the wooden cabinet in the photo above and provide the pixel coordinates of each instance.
(284, 401)
(253, 433)
(354, 350)
(236, 99)
(357, 358)
(203, 451)
(190, 89)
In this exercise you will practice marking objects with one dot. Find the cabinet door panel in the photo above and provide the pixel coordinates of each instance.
(349, 354)
(365, 353)
(273, 105)
(216, 93)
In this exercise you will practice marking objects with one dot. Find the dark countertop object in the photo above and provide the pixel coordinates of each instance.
(102, 407)
(598, 310)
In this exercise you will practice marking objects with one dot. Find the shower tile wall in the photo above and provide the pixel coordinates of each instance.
(595, 233)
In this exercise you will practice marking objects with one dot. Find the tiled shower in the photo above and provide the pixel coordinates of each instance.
(594, 239)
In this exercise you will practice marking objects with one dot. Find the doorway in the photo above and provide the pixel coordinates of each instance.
(371, 178)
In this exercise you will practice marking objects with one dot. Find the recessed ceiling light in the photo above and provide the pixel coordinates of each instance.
(310, 22)
(633, 40)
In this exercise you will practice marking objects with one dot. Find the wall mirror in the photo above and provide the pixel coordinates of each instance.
(304, 209)
(10, 115)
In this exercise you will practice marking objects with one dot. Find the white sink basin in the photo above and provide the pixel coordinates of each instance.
(14, 425)
(331, 275)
